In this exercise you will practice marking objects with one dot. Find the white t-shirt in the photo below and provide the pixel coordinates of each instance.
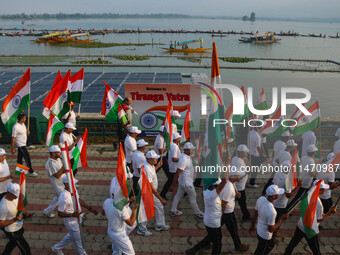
(237, 164)
(72, 118)
(254, 141)
(138, 158)
(306, 169)
(174, 128)
(53, 166)
(308, 138)
(212, 209)
(8, 210)
(278, 146)
(283, 156)
(150, 173)
(336, 147)
(130, 145)
(266, 217)
(65, 202)
(327, 177)
(228, 195)
(186, 178)
(4, 172)
(281, 180)
(115, 218)
(64, 137)
(159, 144)
(19, 131)
(173, 153)
(318, 215)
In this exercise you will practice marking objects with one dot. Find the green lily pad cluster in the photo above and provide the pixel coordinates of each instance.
(238, 59)
(132, 58)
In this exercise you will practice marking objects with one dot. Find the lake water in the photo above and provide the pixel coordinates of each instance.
(323, 86)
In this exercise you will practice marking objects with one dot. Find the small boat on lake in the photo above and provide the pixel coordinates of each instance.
(184, 47)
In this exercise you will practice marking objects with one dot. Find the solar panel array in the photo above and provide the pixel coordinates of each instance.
(41, 83)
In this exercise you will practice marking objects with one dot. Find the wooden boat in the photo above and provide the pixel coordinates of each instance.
(260, 38)
(245, 39)
(198, 50)
(335, 37)
(63, 37)
(185, 48)
(218, 35)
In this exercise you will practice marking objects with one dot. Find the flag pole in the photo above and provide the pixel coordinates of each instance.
(320, 138)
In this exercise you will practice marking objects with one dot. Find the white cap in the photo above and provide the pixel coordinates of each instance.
(55, 148)
(161, 128)
(285, 134)
(65, 179)
(152, 154)
(176, 114)
(175, 136)
(274, 190)
(312, 148)
(291, 143)
(14, 188)
(2, 152)
(330, 156)
(217, 182)
(242, 147)
(188, 146)
(322, 185)
(141, 143)
(70, 125)
(134, 130)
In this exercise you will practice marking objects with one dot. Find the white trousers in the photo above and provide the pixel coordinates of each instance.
(159, 212)
(52, 205)
(73, 235)
(190, 190)
(121, 243)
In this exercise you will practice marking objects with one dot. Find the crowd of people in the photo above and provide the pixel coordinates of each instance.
(272, 208)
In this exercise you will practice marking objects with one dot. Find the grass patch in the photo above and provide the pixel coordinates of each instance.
(91, 62)
(30, 60)
(238, 59)
(103, 45)
(132, 58)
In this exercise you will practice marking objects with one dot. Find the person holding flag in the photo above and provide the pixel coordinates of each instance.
(312, 215)
(175, 115)
(19, 140)
(55, 172)
(308, 138)
(72, 141)
(71, 117)
(5, 174)
(12, 222)
(67, 212)
(138, 159)
(130, 144)
(128, 110)
(287, 153)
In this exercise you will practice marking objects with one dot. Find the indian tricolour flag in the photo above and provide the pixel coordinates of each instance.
(76, 86)
(121, 196)
(237, 118)
(110, 104)
(23, 187)
(185, 134)
(274, 128)
(167, 132)
(215, 72)
(80, 152)
(308, 207)
(262, 101)
(21, 169)
(50, 95)
(122, 118)
(294, 173)
(308, 122)
(229, 117)
(16, 101)
(54, 125)
(146, 204)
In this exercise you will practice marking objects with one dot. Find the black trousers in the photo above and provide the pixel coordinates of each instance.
(23, 153)
(167, 185)
(327, 204)
(229, 220)
(255, 161)
(242, 201)
(279, 213)
(264, 246)
(75, 170)
(269, 182)
(301, 192)
(313, 243)
(16, 239)
(135, 182)
(166, 170)
(215, 237)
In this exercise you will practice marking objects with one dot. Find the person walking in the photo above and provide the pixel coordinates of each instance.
(5, 174)
(130, 144)
(67, 136)
(138, 159)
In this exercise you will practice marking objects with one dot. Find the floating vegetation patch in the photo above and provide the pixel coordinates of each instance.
(238, 59)
(91, 62)
(132, 58)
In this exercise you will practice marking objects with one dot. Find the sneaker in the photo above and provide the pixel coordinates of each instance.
(190, 251)
(253, 186)
(243, 247)
(34, 174)
(176, 213)
(31, 147)
(58, 252)
(200, 215)
(144, 233)
(160, 228)
(50, 215)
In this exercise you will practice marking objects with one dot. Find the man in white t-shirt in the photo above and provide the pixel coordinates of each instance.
(19, 140)
(287, 153)
(130, 144)
(185, 178)
(329, 178)
(12, 222)
(117, 222)
(71, 117)
(70, 216)
(265, 214)
(313, 242)
(308, 138)
(5, 174)
(228, 195)
(173, 157)
(55, 171)
(138, 158)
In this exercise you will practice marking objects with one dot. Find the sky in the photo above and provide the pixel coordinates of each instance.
(262, 8)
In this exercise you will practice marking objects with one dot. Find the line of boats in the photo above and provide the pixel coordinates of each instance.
(64, 37)
(260, 38)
